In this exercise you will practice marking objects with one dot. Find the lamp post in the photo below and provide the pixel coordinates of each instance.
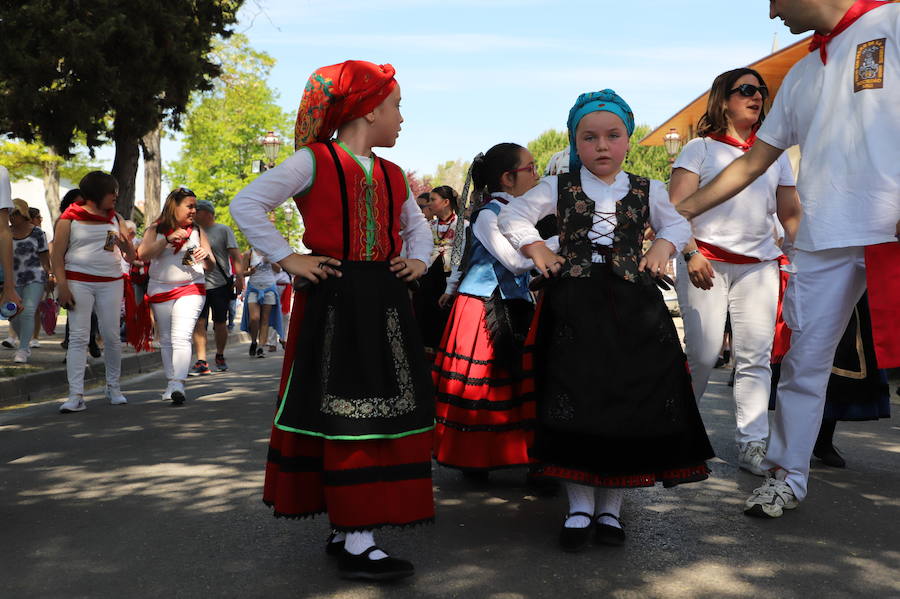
(672, 142)
(271, 144)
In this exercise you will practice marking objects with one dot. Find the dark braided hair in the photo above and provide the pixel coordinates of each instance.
(448, 193)
(487, 169)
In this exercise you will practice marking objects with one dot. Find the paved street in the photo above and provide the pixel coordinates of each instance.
(146, 500)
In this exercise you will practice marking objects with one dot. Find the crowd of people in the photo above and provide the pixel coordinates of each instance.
(522, 324)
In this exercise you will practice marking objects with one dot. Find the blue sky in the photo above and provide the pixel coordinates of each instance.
(477, 72)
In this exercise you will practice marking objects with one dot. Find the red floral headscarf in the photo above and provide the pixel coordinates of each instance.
(339, 93)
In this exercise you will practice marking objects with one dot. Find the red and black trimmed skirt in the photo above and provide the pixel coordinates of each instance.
(485, 412)
(362, 485)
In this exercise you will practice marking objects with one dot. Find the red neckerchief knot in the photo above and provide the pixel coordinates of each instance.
(820, 42)
(733, 141)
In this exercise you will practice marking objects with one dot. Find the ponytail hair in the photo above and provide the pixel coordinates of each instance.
(488, 168)
(448, 193)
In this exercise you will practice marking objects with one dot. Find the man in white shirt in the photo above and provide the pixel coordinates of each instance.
(841, 104)
(6, 262)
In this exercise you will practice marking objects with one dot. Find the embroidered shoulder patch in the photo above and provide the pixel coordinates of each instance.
(868, 71)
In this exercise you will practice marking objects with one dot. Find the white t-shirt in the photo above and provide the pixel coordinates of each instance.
(5, 190)
(846, 117)
(742, 225)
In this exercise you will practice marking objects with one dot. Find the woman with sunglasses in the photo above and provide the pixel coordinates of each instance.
(731, 264)
(485, 418)
(179, 255)
(88, 245)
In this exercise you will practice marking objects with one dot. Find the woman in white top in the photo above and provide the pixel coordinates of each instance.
(179, 254)
(730, 265)
(88, 246)
(261, 301)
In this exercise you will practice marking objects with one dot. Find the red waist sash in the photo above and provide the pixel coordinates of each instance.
(74, 275)
(712, 252)
(183, 291)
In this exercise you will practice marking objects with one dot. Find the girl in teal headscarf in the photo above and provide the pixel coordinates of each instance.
(615, 406)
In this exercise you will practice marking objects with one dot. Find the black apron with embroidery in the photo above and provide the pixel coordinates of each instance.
(614, 393)
(359, 368)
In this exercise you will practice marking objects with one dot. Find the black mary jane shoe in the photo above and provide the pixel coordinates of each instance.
(332, 547)
(573, 540)
(607, 534)
(830, 457)
(360, 567)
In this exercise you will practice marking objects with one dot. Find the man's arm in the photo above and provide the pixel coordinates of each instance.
(237, 259)
(731, 181)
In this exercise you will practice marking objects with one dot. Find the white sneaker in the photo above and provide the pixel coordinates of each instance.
(34, 343)
(21, 356)
(75, 404)
(9, 343)
(750, 458)
(115, 397)
(771, 499)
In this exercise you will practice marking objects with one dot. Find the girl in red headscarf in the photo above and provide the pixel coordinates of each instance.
(352, 431)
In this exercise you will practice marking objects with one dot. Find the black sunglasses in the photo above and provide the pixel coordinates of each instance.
(185, 192)
(748, 91)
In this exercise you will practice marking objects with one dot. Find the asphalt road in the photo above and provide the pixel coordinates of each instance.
(146, 500)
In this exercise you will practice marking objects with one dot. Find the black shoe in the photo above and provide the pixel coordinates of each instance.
(476, 476)
(360, 567)
(260, 353)
(830, 457)
(332, 547)
(607, 534)
(177, 398)
(574, 540)
(94, 350)
(253, 349)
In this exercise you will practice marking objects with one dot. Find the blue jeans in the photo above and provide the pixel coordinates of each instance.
(23, 323)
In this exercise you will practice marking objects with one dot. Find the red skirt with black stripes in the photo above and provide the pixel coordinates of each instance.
(485, 413)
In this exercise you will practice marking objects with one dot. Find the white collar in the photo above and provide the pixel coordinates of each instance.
(620, 177)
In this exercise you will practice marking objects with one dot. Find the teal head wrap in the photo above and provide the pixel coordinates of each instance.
(606, 100)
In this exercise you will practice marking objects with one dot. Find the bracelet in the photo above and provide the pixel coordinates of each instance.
(690, 254)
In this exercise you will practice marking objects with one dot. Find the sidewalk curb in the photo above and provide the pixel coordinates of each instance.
(41, 385)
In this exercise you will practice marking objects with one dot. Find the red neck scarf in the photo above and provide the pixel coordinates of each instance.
(79, 212)
(178, 244)
(820, 42)
(732, 141)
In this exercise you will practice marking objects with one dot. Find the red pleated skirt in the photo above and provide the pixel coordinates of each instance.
(485, 415)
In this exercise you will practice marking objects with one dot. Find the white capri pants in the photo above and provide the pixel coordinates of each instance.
(175, 320)
(749, 292)
(106, 300)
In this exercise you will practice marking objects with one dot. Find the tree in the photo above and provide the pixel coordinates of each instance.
(68, 65)
(35, 159)
(546, 145)
(150, 147)
(223, 127)
(418, 186)
(647, 161)
(452, 173)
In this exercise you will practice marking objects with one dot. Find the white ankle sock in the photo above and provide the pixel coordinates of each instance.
(339, 537)
(609, 501)
(358, 542)
(581, 499)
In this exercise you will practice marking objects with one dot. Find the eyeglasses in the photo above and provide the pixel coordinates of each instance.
(748, 91)
(530, 167)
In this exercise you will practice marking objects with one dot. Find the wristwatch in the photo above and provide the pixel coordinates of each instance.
(690, 254)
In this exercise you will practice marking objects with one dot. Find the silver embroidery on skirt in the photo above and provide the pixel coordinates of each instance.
(371, 407)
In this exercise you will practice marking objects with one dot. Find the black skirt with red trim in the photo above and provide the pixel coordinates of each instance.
(614, 398)
(485, 410)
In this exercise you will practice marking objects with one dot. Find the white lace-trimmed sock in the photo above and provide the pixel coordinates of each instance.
(358, 542)
(609, 501)
(581, 499)
(339, 537)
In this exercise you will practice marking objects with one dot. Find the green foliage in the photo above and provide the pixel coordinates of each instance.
(647, 161)
(546, 145)
(452, 173)
(25, 159)
(67, 65)
(222, 129)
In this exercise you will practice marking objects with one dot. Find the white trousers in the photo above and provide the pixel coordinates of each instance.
(105, 299)
(818, 304)
(175, 320)
(749, 292)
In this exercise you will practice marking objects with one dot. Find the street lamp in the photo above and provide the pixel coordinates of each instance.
(672, 142)
(271, 144)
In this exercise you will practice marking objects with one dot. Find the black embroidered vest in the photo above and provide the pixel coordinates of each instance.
(575, 213)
